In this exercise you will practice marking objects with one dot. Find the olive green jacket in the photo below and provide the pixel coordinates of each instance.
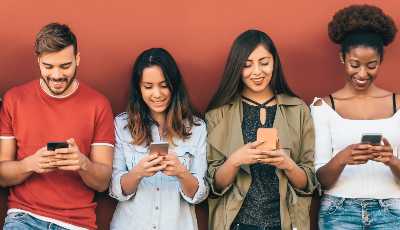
(296, 134)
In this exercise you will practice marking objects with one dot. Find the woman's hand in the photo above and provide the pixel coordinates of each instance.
(173, 167)
(247, 154)
(149, 165)
(279, 159)
(384, 153)
(356, 154)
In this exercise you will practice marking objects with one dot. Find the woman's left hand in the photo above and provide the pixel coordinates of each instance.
(173, 166)
(279, 159)
(384, 153)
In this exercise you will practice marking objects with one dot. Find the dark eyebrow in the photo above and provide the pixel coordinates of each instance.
(67, 63)
(261, 58)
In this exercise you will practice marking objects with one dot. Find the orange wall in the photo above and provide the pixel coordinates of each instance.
(198, 33)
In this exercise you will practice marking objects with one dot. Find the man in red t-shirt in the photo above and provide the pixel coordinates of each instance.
(54, 189)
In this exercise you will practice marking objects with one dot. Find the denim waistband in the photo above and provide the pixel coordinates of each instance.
(364, 202)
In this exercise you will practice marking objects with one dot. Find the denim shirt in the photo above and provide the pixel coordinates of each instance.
(159, 202)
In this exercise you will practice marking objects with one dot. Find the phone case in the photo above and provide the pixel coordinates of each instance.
(160, 148)
(270, 138)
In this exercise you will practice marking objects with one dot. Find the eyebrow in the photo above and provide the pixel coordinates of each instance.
(260, 59)
(67, 63)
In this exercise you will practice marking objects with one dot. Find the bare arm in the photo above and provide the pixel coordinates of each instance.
(13, 172)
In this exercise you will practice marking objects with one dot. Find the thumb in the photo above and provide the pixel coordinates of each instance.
(385, 142)
(71, 142)
(254, 144)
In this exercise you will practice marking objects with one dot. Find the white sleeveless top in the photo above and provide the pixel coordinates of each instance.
(333, 133)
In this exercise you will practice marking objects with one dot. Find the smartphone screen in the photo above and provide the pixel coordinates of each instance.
(160, 148)
(371, 138)
(51, 146)
(270, 138)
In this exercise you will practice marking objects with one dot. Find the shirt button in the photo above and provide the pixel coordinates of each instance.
(158, 189)
(156, 207)
(154, 227)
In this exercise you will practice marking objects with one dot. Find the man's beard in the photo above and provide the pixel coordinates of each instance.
(46, 81)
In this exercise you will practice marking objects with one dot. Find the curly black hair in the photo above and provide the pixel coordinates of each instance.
(362, 25)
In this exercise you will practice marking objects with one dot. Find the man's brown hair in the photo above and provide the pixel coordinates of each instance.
(53, 38)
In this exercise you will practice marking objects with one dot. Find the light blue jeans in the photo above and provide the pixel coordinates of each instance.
(349, 213)
(23, 221)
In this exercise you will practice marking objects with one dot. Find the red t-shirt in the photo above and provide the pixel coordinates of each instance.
(35, 118)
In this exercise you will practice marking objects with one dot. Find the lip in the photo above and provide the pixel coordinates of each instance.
(361, 82)
(58, 85)
(257, 80)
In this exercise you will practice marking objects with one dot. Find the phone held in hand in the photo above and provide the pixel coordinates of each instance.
(371, 138)
(51, 146)
(161, 148)
(270, 138)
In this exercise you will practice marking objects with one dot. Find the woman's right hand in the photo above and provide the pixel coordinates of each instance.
(149, 165)
(357, 154)
(247, 154)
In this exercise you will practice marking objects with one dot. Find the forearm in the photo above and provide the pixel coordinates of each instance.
(13, 172)
(395, 167)
(189, 184)
(96, 175)
(329, 173)
(225, 175)
(130, 182)
(297, 177)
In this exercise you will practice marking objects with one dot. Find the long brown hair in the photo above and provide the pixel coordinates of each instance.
(180, 114)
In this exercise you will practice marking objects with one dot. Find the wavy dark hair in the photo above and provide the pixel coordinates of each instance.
(231, 84)
(180, 114)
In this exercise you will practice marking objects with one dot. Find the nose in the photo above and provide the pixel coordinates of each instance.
(363, 72)
(156, 92)
(56, 73)
(256, 69)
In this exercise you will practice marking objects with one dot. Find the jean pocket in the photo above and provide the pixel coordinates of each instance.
(330, 205)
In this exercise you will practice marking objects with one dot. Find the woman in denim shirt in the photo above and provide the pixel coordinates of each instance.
(155, 191)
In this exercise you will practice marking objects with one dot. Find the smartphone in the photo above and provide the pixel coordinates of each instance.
(270, 138)
(161, 148)
(51, 146)
(371, 138)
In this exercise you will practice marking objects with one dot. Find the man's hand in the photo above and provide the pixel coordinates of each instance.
(71, 159)
(42, 161)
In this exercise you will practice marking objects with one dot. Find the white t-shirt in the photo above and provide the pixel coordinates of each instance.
(333, 133)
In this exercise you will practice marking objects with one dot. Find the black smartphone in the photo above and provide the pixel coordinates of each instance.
(371, 138)
(51, 146)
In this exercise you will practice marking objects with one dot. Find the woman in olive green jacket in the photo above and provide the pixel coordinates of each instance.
(254, 188)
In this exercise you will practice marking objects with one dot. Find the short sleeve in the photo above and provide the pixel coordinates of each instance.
(104, 127)
(6, 117)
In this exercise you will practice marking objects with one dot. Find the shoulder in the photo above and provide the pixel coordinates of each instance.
(92, 94)
(121, 119)
(18, 92)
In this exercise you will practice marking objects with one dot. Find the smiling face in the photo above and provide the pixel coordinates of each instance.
(155, 91)
(362, 65)
(58, 70)
(258, 69)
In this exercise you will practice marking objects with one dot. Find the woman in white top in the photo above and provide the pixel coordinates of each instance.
(360, 180)
(157, 191)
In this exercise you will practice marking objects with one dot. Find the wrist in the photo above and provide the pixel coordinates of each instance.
(26, 166)
(291, 167)
(136, 172)
(182, 174)
(233, 162)
(85, 163)
(394, 162)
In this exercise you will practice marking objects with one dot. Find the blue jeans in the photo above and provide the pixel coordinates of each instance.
(24, 221)
(351, 213)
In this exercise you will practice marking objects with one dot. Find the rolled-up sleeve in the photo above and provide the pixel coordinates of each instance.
(198, 167)
(307, 150)
(119, 165)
